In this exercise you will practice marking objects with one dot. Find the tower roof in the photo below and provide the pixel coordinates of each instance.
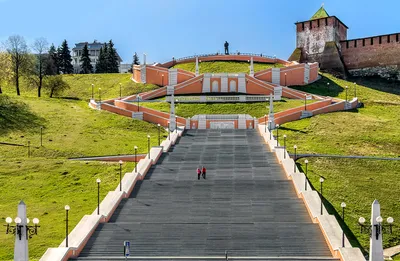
(321, 13)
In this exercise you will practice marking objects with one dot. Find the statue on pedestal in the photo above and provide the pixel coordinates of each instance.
(226, 45)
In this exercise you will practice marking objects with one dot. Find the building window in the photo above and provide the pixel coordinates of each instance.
(326, 21)
(318, 22)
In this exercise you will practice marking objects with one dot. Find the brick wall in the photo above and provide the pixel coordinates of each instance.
(372, 51)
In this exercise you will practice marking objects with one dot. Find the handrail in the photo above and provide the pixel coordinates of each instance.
(217, 53)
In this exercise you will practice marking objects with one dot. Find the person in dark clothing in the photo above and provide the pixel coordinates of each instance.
(203, 172)
(226, 46)
(198, 173)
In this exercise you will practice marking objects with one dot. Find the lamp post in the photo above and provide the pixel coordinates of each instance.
(306, 177)
(295, 157)
(148, 145)
(66, 224)
(343, 205)
(346, 92)
(355, 89)
(285, 78)
(162, 79)
(29, 148)
(159, 134)
(269, 129)
(138, 100)
(100, 96)
(169, 130)
(120, 175)
(135, 158)
(120, 91)
(265, 122)
(327, 85)
(321, 180)
(92, 91)
(305, 102)
(284, 146)
(277, 135)
(98, 196)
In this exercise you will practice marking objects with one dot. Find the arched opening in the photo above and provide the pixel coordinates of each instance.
(232, 86)
(215, 86)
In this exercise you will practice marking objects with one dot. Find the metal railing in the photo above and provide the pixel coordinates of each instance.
(216, 99)
(218, 53)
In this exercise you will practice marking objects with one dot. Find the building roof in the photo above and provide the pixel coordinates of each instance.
(91, 46)
(321, 13)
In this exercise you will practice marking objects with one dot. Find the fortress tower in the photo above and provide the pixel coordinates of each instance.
(323, 39)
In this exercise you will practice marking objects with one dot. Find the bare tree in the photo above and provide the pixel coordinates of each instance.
(17, 48)
(41, 47)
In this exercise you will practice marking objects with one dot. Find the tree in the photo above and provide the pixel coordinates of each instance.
(55, 85)
(112, 59)
(6, 72)
(86, 66)
(52, 67)
(136, 59)
(40, 46)
(100, 62)
(65, 59)
(18, 50)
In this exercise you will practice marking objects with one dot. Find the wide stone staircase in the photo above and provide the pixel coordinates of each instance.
(245, 208)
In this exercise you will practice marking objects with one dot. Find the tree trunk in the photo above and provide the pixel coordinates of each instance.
(17, 80)
(1, 90)
(40, 74)
(40, 85)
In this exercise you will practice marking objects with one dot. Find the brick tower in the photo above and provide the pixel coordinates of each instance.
(318, 40)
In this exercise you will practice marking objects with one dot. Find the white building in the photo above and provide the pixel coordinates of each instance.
(94, 52)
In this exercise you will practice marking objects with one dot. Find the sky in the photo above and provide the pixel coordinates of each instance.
(177, 28)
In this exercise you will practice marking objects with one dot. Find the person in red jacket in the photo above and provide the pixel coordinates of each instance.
(198, 173)
(203, 172)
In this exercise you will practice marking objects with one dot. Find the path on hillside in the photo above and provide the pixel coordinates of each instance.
(246, 206)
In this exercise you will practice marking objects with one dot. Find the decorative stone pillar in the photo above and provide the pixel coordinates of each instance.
(375, 246)
(197, 66)
(271, 113)
(21, 245)
(172, 118)
(251, 67)
(144, 58)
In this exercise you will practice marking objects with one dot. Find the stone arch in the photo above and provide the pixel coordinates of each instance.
(215, 86)
(232, 86)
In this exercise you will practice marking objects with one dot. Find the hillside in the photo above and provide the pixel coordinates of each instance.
(47, 181)
(226, 67)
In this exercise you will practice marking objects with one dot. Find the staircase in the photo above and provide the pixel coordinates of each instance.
(245, 206)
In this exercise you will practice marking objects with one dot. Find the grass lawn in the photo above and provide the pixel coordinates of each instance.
(373, 130)
(47, 180)
(254, 109)
(226, 67)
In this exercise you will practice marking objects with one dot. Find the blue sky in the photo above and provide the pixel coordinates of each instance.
(167, 28)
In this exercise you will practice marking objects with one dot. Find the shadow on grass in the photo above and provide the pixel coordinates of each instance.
(377, 83)
(332, 211)
(16, 115)
(294, 130)
(324, 87)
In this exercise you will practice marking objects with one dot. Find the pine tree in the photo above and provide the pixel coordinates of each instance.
(52, 67)
(100, 62)
(65, 58)
(105, 58)
(112, 59)
(86, 66)
(136, 59)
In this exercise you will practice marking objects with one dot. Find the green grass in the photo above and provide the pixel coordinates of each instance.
(254, 109)
(226, 67)
(373, 130)
(47, 180)
(81, 86)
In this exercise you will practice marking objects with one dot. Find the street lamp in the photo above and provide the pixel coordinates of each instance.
(305, 102)
(148, 145)
(284, 146)
(327, 85)
(162, 79)
(306, 177)
(138, 102)
(346, 92)
(343, 205)
(321, 180)
(295, 157)
(159, 137)
(269, 129)
(100, 96)
(66, 224)
(135, 158)
(120, 175)
(17, 228)
(355, 89)
(277, 135)
(379, 228)
(92, 91)
(265, 122)
(285, 78)
(98, 196)
(169, 130)
(120, 91)
(41, 136)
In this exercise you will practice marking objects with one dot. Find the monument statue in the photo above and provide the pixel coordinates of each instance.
(226, 45)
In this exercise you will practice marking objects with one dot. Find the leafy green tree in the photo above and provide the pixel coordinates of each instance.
(55, 85)
(40, 46)
(136, 59)
(112, 59)
(6, 72)
(65, 60)
(86, 66)
(18, 50)
(52, 67)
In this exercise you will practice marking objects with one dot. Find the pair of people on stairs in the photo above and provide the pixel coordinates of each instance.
(201, 172)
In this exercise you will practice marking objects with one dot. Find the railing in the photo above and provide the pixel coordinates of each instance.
(221, 116)
(225, 98)
(218, 53)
